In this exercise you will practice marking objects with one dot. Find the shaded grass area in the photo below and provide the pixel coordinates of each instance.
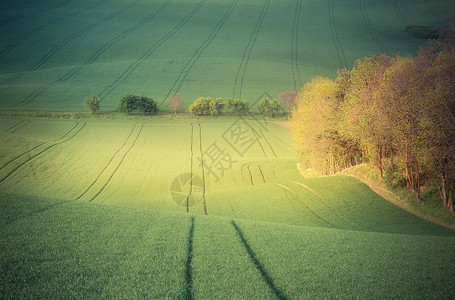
(102, 251)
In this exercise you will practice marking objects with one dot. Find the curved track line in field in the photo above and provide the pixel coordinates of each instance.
(197, 54)
(434, 12)
(251, 174)
(306, 205)
(25, 123)
(259, 141)
(370, 28)
(41, 152)
(326, 204)
(335, 39)
(270, 145)
(107, 165)
(95, 55)
(398, 11)
(131, 68)
(295, 47)
(262, 174)
(18, 124)
(191, 170)
(259, 266)
(188, 290)
(118, 166)
(240, 77)
(203, 172)
(42, 27)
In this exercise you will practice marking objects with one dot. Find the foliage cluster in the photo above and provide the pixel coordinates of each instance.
(93, 103)
(269, 108)
(206, 106)
(140, 104)
(396, 113)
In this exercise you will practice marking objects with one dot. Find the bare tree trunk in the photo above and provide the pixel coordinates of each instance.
(450, 204)
(443, 190)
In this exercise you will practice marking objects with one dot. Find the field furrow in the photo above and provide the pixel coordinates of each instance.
(15, 164)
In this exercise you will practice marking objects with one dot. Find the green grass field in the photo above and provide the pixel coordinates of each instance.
(179, 207)
(88, 209)
(56, 53)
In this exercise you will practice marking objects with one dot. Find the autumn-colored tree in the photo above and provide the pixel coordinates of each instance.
(288, 101)
(176, 102)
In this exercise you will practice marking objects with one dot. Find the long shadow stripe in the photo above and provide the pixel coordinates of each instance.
(131, 68)
(188, 292)
(265, 275)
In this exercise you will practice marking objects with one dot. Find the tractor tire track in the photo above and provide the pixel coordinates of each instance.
(399, 13)
(251, 174)
(240, 77)
(25, 123)
(370, 28)
(335, 38)
(58, 142)
(29, 34)
(326, 204)
(268, 143)
(188, 289)
(15, 125)
(197, 54)
(306, 205)
(131, 68)
(95, 55)
(202, 166)
(259, 266)
(295, 47)
(191, 170)
(262, 174)
(107, 165)
(118, 165)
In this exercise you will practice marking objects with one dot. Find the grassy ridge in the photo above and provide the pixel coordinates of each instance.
(269, 231)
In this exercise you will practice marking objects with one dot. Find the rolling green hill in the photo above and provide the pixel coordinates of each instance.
(56, 53)
(97, 209)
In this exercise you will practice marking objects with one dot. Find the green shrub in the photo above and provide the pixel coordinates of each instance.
(93, 103)
(205, 106)
(269, 108)
(139, 103)
(237, 106)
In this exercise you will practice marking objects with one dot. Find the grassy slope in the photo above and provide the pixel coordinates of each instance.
(54, 55)
(293, 236)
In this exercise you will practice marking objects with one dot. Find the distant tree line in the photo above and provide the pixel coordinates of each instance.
(396, 113)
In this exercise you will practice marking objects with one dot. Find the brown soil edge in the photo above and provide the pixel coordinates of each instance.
(285, 124)
(394, 199)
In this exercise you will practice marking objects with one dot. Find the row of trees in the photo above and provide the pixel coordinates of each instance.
(268, 108)
(396, 113)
